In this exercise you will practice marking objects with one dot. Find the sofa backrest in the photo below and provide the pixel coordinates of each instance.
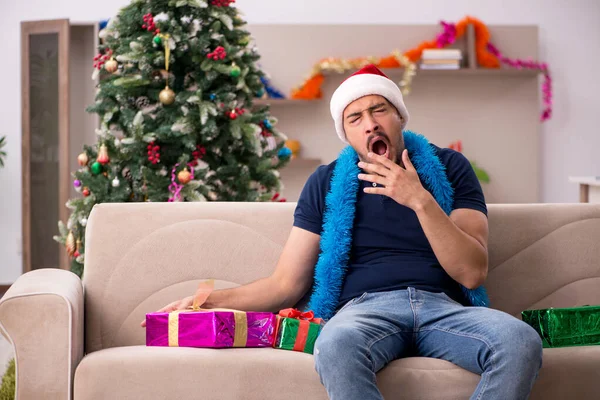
(142, 256)
(543, 255)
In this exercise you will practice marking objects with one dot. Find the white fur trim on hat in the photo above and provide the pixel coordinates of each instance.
(361, 85)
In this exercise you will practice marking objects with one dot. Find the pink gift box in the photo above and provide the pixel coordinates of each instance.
(211, 328)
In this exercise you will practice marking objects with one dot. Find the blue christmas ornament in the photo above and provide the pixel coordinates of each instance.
(284, 152)
(102, 24)
(213, 96)
(267, 124)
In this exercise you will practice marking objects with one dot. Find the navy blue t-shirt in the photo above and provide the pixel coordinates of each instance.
(390, 250)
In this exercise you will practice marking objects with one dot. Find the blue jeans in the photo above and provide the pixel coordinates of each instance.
(372, 330)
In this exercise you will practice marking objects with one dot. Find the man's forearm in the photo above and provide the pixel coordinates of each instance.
(461, 255)
(262, 295)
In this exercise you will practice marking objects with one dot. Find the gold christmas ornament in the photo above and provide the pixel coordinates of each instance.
(184, 176)
(70, 244)
(167, 96)
(111, 65)
(103, 155)
(82, 159)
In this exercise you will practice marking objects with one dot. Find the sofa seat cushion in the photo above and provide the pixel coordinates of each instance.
(569, 373)
(140, 372)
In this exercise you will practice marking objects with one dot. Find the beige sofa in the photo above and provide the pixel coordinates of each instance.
(142, 256)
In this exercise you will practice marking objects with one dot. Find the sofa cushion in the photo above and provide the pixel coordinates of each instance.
(569, 373)
(139, 372)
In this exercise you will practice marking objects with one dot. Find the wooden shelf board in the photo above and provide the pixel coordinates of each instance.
(477, 72)
(303, 163)
(396, 72)
(275, 102)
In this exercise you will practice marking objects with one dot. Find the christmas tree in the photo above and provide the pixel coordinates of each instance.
(176, 83)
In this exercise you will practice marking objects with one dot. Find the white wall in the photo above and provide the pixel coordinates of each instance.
(569, 42)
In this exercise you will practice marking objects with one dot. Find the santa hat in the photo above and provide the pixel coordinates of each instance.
(366, 81)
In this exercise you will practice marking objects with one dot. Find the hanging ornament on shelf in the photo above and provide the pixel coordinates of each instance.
(82, 159)
(103, 155)
(70, 244)
(166, 96)
(116, 182)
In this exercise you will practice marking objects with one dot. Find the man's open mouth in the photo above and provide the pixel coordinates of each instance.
(379, 145)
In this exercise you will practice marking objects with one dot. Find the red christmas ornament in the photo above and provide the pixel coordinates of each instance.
(199, 153)
(76, 254)
(222, 3)
(218, 54)
(85, 192)
(100, 59)
(278, 199)
(265, 132)
(233, 114)
(149, 24)
(153, 153)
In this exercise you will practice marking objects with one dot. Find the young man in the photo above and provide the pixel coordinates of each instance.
(392, 236)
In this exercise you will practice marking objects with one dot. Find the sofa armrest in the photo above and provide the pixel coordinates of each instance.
(42, 316)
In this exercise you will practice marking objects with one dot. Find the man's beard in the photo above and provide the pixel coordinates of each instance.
(380, 143)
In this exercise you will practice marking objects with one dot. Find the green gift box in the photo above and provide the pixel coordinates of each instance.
(297, 331)
(563, 327)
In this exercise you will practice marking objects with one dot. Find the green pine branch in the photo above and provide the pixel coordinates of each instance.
(211, 126)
